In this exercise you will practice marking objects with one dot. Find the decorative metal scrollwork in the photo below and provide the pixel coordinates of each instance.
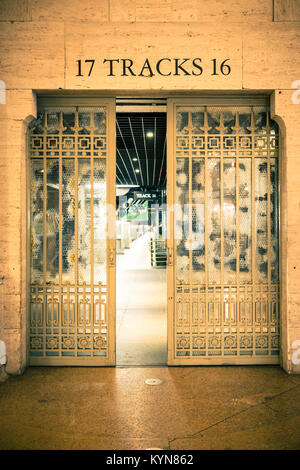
(227, 261)
(68, 150)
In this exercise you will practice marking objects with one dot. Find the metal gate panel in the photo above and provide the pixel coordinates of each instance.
(223, 248)
(72, 290)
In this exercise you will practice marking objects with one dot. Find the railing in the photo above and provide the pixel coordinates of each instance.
(158, 253)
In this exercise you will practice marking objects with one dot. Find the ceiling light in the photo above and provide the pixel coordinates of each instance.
(137, 171)
(149, 134)
(127, 185)
(134, 159)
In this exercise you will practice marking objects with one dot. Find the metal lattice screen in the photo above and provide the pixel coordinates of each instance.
(226, 257)
(68, 159)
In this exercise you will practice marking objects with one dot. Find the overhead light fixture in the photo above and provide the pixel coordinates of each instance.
(149, 134)
(134, 159)
(137, 171)
(127, 186)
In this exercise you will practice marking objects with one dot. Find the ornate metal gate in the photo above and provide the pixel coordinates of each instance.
(72, 171)
(223, 278)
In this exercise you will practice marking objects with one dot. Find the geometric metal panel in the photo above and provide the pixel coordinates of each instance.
(226, 235)
(72, 181)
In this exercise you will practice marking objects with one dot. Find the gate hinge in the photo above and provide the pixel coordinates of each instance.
(169, 256)
(112, 257)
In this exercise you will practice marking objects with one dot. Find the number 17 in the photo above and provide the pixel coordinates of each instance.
(92, 61)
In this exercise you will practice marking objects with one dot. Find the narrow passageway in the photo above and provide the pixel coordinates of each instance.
(141, 307)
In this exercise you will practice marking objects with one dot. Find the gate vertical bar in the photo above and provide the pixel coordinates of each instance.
(60, 210)
(111, 230)
(91, 319)
(44, 307)
(253, 188)
(171, 245)
(237, 225)
(76, 277)
(269, 246)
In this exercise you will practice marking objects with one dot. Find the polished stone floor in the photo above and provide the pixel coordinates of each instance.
(113, 408)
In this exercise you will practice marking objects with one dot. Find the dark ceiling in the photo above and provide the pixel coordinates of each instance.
(141, 158)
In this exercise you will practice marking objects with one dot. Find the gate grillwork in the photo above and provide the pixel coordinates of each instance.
(226, 236)
(70, 321)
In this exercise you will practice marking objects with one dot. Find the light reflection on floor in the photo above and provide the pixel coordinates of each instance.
(141, 307)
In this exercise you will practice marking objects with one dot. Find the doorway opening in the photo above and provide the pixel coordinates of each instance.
(223, 233)
(141, 299)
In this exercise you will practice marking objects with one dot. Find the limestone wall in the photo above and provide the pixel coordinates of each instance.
(41, 42)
